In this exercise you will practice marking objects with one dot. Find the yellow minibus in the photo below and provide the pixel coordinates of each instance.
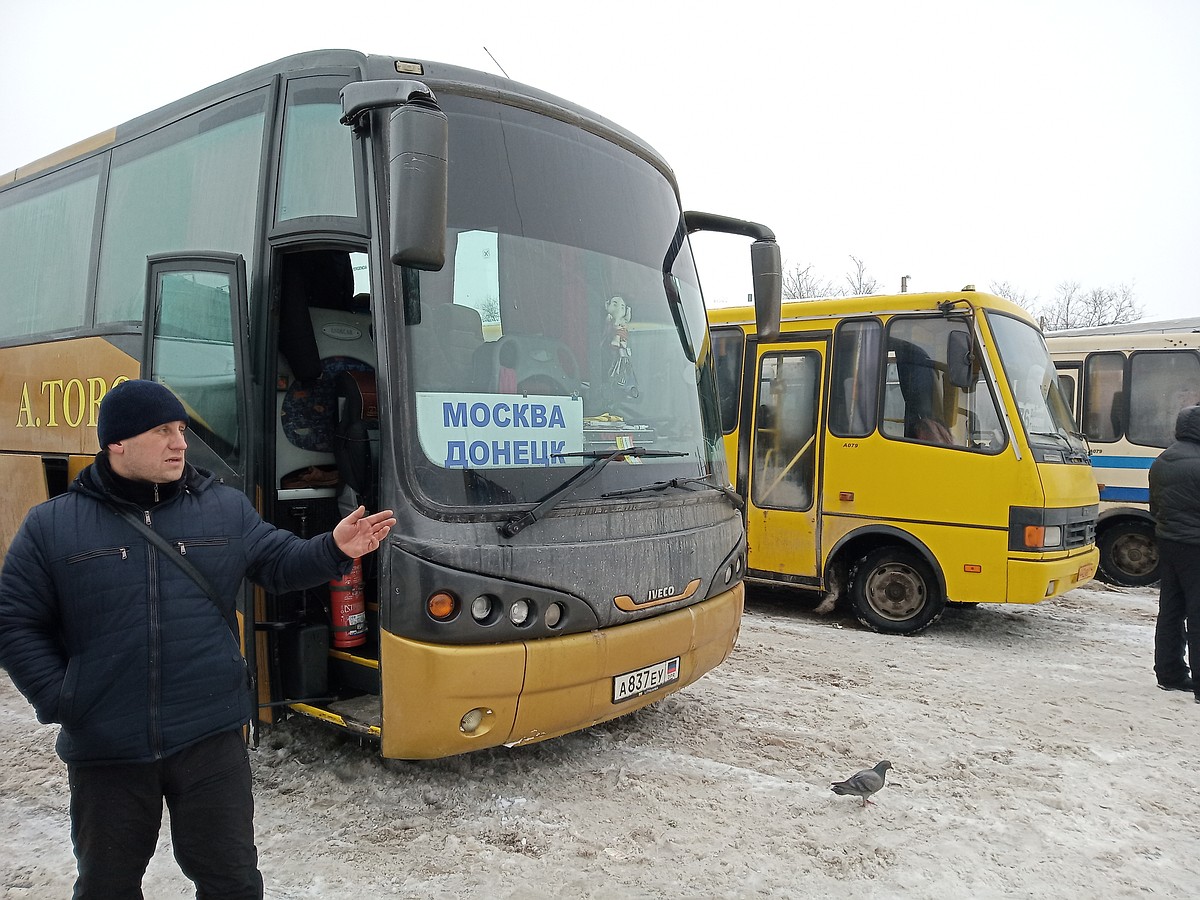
(906, 451)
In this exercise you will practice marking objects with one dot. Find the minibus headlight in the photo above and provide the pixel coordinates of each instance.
(1043, 537)
(554, 615)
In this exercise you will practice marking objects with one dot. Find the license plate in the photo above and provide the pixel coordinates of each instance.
(1085, 572)
(644, 680)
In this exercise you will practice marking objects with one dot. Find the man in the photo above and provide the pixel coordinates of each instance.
(105, 635)
(1175, 505)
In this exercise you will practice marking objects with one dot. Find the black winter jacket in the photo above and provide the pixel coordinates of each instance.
(116, 643)
(1175, 483)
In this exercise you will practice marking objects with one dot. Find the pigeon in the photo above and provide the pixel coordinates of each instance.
(863, 784)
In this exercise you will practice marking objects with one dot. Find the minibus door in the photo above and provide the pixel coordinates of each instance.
(783, 462)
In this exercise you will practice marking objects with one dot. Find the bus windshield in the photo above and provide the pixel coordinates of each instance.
(1044, 410)
(563, 326)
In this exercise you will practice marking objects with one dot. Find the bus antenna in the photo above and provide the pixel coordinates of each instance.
(497, 62)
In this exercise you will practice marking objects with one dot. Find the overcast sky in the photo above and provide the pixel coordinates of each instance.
(954, 142)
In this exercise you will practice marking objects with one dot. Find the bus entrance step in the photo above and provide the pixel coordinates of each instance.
(367, 709)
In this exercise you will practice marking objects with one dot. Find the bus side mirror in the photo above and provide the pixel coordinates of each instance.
(418, 142)
(767, 267)
(958, 360)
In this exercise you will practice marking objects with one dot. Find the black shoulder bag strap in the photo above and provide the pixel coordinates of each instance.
(173, 554)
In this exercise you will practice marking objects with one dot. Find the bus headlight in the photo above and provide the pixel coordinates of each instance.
(483, 608)
(518, 613)
(554, 615)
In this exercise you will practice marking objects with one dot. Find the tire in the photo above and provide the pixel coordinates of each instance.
(894, 591)
(1128, 554)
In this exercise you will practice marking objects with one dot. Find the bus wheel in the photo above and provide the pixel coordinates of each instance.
(894, 591)
(1128, 554)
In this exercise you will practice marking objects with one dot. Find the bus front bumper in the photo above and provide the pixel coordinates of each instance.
(441, 699)
(1034, 580)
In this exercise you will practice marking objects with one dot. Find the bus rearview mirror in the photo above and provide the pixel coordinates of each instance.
(767, 266)
(418, 142)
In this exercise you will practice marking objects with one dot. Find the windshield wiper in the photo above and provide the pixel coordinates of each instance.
(734, 497)
(1073, 453)
(1056, 435)
(599, 459)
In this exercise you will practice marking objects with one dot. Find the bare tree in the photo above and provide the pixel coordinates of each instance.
(801, 284)
(1074, 307)
(489, 309)
(860, 282)
(1009, 291)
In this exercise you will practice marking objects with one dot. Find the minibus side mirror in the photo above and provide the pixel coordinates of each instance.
(766, 265)
(958, 360)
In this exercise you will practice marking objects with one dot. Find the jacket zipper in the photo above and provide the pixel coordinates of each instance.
(155, 642)
(182, 546)
(96, 554)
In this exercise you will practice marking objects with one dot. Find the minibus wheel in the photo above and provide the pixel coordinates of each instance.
(894, 591)
(1128, 554)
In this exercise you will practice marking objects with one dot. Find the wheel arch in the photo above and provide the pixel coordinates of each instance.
(854, 545)
(1109, 517)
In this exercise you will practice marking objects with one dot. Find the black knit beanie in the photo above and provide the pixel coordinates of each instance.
(133, 407)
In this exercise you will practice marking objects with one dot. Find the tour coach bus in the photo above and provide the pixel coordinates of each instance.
(422, 288)
(1127, 384)
(905, 451)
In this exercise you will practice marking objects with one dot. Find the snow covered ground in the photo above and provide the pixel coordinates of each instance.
(1033, 754)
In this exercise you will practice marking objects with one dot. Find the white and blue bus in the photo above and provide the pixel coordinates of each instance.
(1127, 384)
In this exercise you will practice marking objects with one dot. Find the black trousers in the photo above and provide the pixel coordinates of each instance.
(1178, 612)
(116, 812)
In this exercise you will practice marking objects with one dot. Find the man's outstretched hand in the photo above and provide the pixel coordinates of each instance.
(359, 534)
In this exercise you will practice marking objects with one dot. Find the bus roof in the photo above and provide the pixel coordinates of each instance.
(1164, 326)
(871, 304)
(436, 75)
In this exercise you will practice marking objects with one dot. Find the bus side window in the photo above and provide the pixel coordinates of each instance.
(928, 403)
(1161, 382)
(1102, 417)
(855, 378)
(727, 346)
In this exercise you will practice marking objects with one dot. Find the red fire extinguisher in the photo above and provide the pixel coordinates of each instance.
(348, 608)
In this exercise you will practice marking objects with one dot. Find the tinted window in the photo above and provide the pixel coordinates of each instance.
(1162, 383)
(727, 351)
(193, 185)
(567, 321)
(316, 169)
(854, 393)
(194, 353)
(1104, 397)
(1067, 382)
(46, 236)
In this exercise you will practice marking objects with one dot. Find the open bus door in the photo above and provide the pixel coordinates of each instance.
(196, 343)
(782, 449)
